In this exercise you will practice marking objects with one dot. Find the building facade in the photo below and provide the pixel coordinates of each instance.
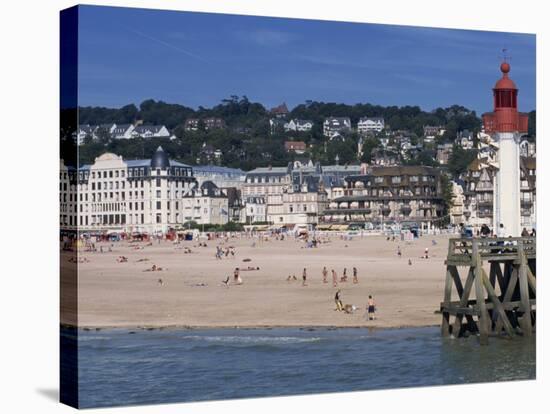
(336, 126)
(151, 195)
(302, 203)
(298, 125)
(223, 177)
(370, 125)
(479, 198)
(404, 193)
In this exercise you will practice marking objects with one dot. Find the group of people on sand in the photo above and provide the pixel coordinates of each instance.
(343, 278)
(425, 255)
(370, 308)
(220, 252)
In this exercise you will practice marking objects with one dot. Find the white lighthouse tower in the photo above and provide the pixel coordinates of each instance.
(505, 125)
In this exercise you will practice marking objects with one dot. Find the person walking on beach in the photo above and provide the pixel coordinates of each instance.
(370, 308)
(344, 277)
(236, 275)
(338, 301)
(325, 274)
(304, 277)
(355, 278)
(399, 251)
(334, 278)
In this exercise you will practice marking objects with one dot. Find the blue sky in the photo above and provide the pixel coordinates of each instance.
(129, 55)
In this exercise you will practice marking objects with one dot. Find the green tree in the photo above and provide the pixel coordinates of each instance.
(460, 159)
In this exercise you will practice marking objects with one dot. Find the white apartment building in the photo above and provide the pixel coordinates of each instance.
(206, 204)
(370, 124)
(151, 195)
(255, 210)
(303, 203)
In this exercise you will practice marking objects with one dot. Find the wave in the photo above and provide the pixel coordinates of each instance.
(252, 340)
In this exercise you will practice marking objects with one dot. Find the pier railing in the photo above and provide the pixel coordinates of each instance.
(463, 250)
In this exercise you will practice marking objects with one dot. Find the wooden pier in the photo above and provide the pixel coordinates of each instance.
(501, 278)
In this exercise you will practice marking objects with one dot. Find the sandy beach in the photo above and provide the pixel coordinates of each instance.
(113, 294)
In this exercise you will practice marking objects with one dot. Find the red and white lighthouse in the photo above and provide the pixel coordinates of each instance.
(506, 125)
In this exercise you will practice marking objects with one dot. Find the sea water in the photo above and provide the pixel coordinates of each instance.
(125, 367)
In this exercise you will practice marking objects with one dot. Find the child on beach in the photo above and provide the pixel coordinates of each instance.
(334, 278)
(370, 308)
(325, 273)
(399, 251)
(355, 278)
(304, 277)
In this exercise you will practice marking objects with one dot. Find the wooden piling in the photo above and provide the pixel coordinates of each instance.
(505, 298)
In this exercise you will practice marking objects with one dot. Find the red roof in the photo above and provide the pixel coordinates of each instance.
(505, 82)
(295, 145)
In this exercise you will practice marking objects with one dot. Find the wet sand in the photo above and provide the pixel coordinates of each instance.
(115, 294)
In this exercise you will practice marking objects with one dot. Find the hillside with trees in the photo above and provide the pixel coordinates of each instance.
(247, 140)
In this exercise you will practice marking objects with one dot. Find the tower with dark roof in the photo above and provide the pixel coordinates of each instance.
(160, 159)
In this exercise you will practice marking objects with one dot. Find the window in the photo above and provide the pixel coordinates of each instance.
(158, 182)
(158, 205)
(158, 194)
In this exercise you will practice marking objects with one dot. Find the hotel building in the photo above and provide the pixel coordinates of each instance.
(151, 195)
(403, 193)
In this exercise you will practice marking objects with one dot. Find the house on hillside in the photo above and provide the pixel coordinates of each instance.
(123, 131)
(299, 125)
(191, 124)
(432, 131)
(85, 131)
(370, 125)
(151, 131)
(444, 152)
(280, 111)
(298, 147)
(336, 125)
(276, 125)
(214, 123)
(465, 139)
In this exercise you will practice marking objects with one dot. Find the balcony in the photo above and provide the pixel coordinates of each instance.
(406, 210)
